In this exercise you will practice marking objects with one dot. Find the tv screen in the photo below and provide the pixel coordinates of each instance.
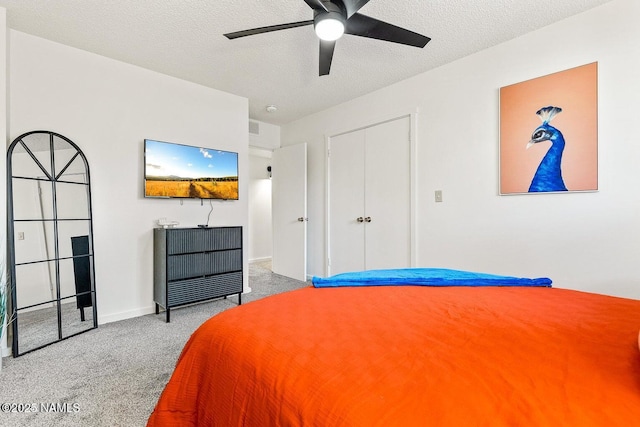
(176, 170)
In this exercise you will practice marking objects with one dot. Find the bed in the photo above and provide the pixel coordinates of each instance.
(412, 356)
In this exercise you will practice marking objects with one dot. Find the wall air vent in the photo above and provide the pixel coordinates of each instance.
(254, 127)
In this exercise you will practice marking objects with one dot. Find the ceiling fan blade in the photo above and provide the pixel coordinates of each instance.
(365, 26)
(326, 56)
(352, 6)
(317, 5)
(261, 30)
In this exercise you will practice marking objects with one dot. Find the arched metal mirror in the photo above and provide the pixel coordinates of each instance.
(51, 241)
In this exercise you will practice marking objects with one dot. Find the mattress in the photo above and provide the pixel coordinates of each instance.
(411, 356)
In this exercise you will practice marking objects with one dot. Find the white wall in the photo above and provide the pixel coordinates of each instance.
(4, 350)
(108, 108)
(260, 234)
(586, 241)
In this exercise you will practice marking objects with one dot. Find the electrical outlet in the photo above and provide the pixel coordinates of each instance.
(20, 235)
(438, 196)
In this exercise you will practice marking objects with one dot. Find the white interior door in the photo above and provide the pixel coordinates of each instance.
(289, 211)
(346, 203)
(388, 195)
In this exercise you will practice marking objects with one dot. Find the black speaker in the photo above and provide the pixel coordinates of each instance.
(81, 271)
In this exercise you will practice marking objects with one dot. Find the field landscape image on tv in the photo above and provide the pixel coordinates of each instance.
(175, 170)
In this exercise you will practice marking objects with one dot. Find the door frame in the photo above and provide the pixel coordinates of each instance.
(413, 151)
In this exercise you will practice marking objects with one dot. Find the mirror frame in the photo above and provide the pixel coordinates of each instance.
(52, 177)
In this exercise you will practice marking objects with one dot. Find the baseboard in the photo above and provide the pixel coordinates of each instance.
(123, 315)
(267, 258)
(5, 348)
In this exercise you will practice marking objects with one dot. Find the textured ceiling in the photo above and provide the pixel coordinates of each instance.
(184, 38)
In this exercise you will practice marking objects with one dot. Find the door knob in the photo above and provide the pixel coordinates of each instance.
(360, 219)
(367, 219)
(301, 219)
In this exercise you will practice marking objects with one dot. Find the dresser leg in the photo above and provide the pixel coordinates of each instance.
(168, 315)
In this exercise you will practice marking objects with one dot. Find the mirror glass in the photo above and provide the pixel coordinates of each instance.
(73, 321)
(72, 201)
(53, 273)
(75, 289)
(72, 174)
(35, 200)
(34, 241)
(38, 146)
(69, 165)
(32, 159)
(37, 283)
(67, 232)
(38, 326)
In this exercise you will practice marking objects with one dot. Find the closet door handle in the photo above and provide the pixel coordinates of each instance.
(360, 219)
(367, 219)
(303, 219)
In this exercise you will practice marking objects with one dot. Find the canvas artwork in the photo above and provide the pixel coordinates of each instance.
(549, 133)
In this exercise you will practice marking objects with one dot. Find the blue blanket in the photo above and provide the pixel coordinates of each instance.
(425, 277)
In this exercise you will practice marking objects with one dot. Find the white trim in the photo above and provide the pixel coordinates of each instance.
(413, 153)
(374, 121)
(124, 315)
(327, 218)
(5, 349)
(253, 260)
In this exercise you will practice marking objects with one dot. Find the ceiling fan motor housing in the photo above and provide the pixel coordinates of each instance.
(334, 11)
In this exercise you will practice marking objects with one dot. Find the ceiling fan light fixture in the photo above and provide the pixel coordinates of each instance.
(332, 19)
(329, 26)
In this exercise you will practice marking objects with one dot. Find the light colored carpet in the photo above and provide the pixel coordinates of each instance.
(112, 376)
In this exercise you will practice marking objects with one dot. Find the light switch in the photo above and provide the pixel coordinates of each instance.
(438, 196)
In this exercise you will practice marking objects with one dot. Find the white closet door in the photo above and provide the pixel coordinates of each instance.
(346, 203)
(388, 195)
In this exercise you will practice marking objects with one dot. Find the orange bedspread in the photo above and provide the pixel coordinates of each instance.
(412, 356)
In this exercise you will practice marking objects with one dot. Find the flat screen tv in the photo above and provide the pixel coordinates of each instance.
(184, 171)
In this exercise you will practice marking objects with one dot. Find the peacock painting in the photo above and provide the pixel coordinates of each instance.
(548, 176)
(567, 104)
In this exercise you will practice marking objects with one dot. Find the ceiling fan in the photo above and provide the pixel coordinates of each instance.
(333, 18)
